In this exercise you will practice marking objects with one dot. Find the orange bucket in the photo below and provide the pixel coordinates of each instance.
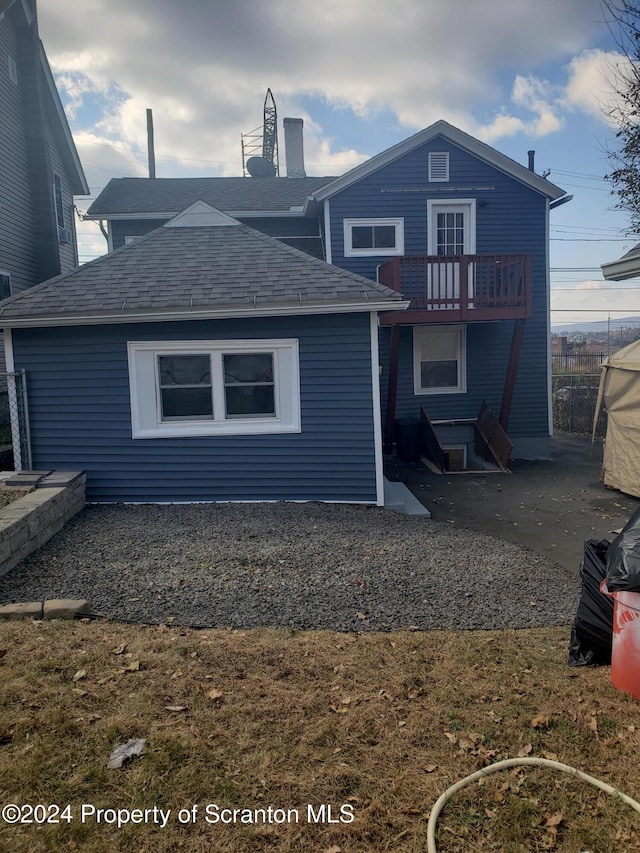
(625, 651)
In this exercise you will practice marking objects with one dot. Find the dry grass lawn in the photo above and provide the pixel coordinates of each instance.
(380, 724)
(9, 494)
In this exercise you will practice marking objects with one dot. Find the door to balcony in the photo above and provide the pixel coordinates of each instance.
(450, 233)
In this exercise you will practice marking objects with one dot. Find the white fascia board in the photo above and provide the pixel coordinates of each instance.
(227, 313)
(115, 216)
(621, 270)
(457, 137)
(169, 214)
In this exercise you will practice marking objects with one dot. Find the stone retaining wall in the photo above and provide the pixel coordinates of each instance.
(29, 522)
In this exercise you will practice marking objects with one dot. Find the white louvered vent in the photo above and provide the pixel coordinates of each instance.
(438, 166)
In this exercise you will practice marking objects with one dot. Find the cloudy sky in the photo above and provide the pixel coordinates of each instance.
(364, 74)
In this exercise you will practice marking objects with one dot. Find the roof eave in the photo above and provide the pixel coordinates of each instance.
(168, 214)
(621, 270)
(147, 315)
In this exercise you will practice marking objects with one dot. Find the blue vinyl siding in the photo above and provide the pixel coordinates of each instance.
(332, 458)
(510, 218)
(284, 227)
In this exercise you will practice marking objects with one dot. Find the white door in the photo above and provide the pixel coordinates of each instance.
(451, 231)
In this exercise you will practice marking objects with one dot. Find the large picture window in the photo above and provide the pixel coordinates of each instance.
(439, 361)
(214, 387)
(373, 237)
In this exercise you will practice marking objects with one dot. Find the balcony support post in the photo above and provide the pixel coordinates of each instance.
(392, 392)
(512, 373)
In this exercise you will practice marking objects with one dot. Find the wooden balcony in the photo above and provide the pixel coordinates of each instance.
(458, 288)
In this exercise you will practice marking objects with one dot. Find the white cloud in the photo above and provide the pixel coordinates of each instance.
(203, 66)
(595, 78)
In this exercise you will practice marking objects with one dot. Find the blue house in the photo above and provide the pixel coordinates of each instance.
(456, 227)
(205, 361)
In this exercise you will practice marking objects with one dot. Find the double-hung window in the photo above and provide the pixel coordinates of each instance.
(214, 387)
(373, 237)
(439, 360)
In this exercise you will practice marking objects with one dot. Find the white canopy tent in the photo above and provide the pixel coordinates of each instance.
(620, 390)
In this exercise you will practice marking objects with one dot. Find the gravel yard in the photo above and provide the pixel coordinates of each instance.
(293, 565)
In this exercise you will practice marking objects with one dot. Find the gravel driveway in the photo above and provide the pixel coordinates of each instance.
(296, 565)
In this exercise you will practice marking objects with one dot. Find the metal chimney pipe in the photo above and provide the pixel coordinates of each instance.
(293, 148)
(532, 157)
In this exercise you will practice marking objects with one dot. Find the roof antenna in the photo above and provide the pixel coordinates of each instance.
(150, 148)
(264, 140)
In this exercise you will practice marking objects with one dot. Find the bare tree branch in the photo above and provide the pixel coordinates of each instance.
(623, 19)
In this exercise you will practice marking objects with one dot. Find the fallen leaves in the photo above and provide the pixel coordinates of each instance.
(541, 721)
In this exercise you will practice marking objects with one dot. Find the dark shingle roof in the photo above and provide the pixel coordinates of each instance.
(170, 195)
(193, 270)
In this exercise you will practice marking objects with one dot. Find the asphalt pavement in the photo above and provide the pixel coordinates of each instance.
(549, 506)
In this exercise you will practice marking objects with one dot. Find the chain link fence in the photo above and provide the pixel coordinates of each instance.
(575, 378)
(15, 442)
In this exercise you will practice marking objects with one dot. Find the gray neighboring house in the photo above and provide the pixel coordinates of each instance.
(205, 361)
(40, 170)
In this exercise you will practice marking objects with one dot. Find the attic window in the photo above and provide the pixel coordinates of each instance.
(438, 166)
(13, 70)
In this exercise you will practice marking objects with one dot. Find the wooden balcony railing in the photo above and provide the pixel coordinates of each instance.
(462, 288)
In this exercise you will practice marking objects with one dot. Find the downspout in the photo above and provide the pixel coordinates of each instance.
(547, 273)
(13, 399)
(327, 232)
(377, 410)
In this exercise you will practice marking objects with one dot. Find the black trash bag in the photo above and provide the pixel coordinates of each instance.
(623, 559)
(592, 631)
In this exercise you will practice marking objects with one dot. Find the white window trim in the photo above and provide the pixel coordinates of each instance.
(470, 232)
(461, 356)
(144, 389)
(431, 170)
(396, 222)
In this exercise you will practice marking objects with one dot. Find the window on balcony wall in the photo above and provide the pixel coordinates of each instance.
(189, 388)
(367, 237)
(439, 360)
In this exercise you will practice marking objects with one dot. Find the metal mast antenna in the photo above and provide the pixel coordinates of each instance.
(270, 131)
(260, 146)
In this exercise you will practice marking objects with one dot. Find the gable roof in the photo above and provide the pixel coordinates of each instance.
(167, 196)
(457, 137)
(182, 270)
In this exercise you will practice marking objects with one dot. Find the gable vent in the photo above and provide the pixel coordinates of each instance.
(438, 166)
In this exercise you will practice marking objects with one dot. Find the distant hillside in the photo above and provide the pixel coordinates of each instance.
(596, 326)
